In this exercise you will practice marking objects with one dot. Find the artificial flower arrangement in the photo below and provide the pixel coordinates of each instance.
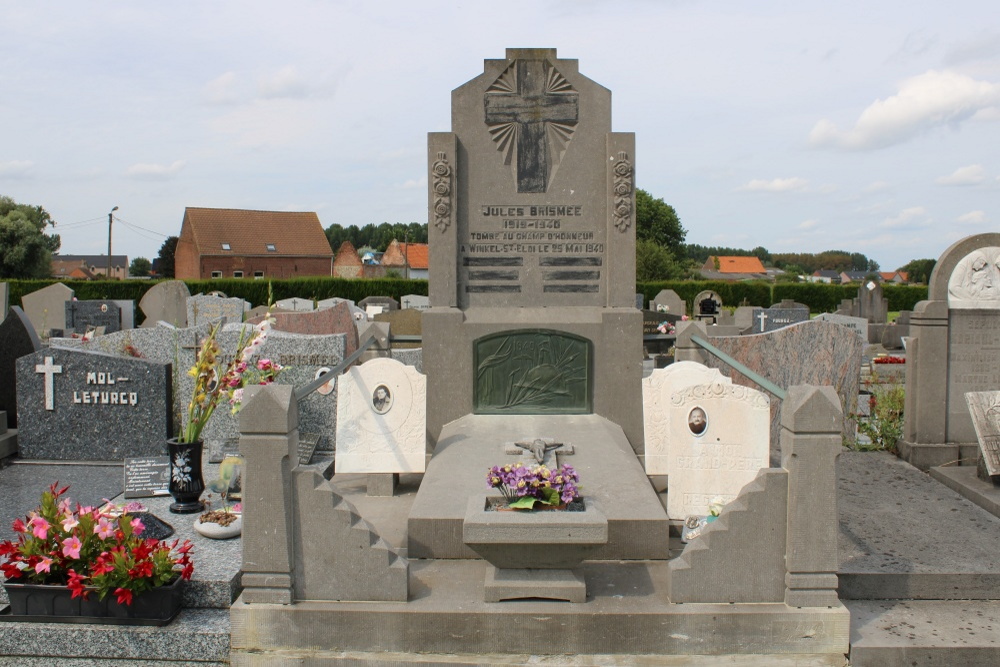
(89, 550)
(523, 487)
(888, 359)
(666, 328)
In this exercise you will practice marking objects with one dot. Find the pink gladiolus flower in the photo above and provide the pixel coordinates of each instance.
(43, 565)
(104, 528)
(39, 527)
(71, 547)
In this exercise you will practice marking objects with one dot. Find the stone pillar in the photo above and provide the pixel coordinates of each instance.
(811, 422)
(684, 349)
(269, 439)
(925, 413)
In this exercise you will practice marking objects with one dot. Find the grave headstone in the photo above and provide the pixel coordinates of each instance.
(657, 390)
(778, 316)
(640, 301)
(415, 301)
(358, 314)
(386, 302)
(872, 305)
(858, 325)
(83, 316)
(4, 293)
(295, 304)
(335, 320)
(202, 308)
(719, 439)
(668, 301)
(165, 302)
(17, 338)
(405, 322)
(127, 307)
(953, 349)
(46, 308)
(381, 419)
(984, 407)
(76, 405)
(743, 318)
(707, 303)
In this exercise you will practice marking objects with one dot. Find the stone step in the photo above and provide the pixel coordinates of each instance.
(934, 633)
(196, 636)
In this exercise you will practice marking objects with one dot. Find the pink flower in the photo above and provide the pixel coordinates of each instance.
(71, 547)
(39, 527)
(43, 565)
(104, 528)
(137, 525)
(69, 523)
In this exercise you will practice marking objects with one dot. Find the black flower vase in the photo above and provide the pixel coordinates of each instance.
(186, 483)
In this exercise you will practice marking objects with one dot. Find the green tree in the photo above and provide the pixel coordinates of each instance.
(657, 221)
(139, 268)
(25, 249)
(654, 262)
(166, 257)
(919, 270)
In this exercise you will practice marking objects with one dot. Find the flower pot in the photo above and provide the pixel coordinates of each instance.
(186, 483)
(217, 531)
(533, 539)
(40, 603)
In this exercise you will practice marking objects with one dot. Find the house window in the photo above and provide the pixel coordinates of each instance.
(216, 274)
(270, 247)
(226, 246)
(237, 274)
(258, 274)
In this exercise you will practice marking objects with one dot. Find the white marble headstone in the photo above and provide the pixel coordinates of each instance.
(656, 392)
(719, 439)
(381, 418)
(295, 304)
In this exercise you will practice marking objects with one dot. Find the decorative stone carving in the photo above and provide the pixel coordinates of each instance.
(975, 282)
(622, 208)
(441, 173)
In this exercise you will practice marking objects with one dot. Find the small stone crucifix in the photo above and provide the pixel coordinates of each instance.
(543, 450)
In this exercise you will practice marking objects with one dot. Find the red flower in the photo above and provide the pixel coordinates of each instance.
(142, 570)
(124, 595)
(19, 526)
(11, 570)
(75, 584)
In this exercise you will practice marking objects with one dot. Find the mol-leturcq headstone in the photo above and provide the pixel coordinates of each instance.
(92, 406)
(543, 237)
(953, 349)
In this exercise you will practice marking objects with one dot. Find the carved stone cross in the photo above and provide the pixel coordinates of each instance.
(763, 318)
(543, 450)
(528, 110)
(49, 370)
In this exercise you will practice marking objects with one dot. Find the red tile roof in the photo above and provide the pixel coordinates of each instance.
(736, 265)
(250, 232)
(398, 254)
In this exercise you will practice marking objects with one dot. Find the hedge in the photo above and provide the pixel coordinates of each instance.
(820, 298)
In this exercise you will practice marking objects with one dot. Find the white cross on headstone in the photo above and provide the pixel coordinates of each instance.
(49, 370)
(763, 318)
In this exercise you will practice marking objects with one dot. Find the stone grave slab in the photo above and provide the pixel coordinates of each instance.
(668, 301)
(17, 338)
(858, 325)
(4, 296)
(77, 405)
(165, 302)
(305, 358)
(46, 308)
(381, 418)
(335, 320)
(405, 322)
(812, 352)
(358, 314)
(985, 409)
(415, 301)
(872, 305)
(127, 307)
(657, 390)
(207, 308)
(386, 302)
(295, 304)
(82, 316)
(719, 439)
(777, 317)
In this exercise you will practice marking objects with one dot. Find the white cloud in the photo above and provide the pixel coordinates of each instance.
(808, 224)
(774, 185)
(222, 89)
(923, 102)
(974, 174)
(154, 172)
(415, 183)
(972, 218)
(909, 218)
(284, 83)
(16, 169)
(877, 186)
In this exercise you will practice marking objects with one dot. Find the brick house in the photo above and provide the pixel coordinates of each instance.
(236, 243)
(410, 260)
(89, 267)
(347, 262)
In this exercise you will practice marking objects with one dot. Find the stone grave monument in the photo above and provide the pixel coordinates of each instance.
(83, 316)
(208, 308)
(4, 295)
(165, 302)
(76, 405)
(872, 305)
(46, 308)
(295, 304)
(415, 301)
(858, 325)
(779, 315)
(953, 349)
(17, 338)
(668, 301)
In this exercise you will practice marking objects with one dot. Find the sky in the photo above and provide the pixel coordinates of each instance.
(801, 126)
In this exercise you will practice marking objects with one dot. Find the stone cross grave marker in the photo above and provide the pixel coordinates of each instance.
(778, 316)
(544, 451)
(77, 405)
(295, 304)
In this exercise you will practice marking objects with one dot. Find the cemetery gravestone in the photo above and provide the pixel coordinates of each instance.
(17, 338)
(668, 301)
(46, 308)
(415, 301)
(381, 418)
(657, 390)
(385, 302)
(985, 409)
(405, 322)
(778, 316)
(872, 305)
(3, 301)
(127, 307)
(165, 302)
(83, 316)
(953, 349)
(77, 405)
(295, 304)
(201, 308)
(335, 320)
(858, 325)
(719, 439)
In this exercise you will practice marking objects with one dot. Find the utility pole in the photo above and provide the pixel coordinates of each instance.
(109, 241)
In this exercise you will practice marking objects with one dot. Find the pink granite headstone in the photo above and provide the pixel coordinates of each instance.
(327, 321)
